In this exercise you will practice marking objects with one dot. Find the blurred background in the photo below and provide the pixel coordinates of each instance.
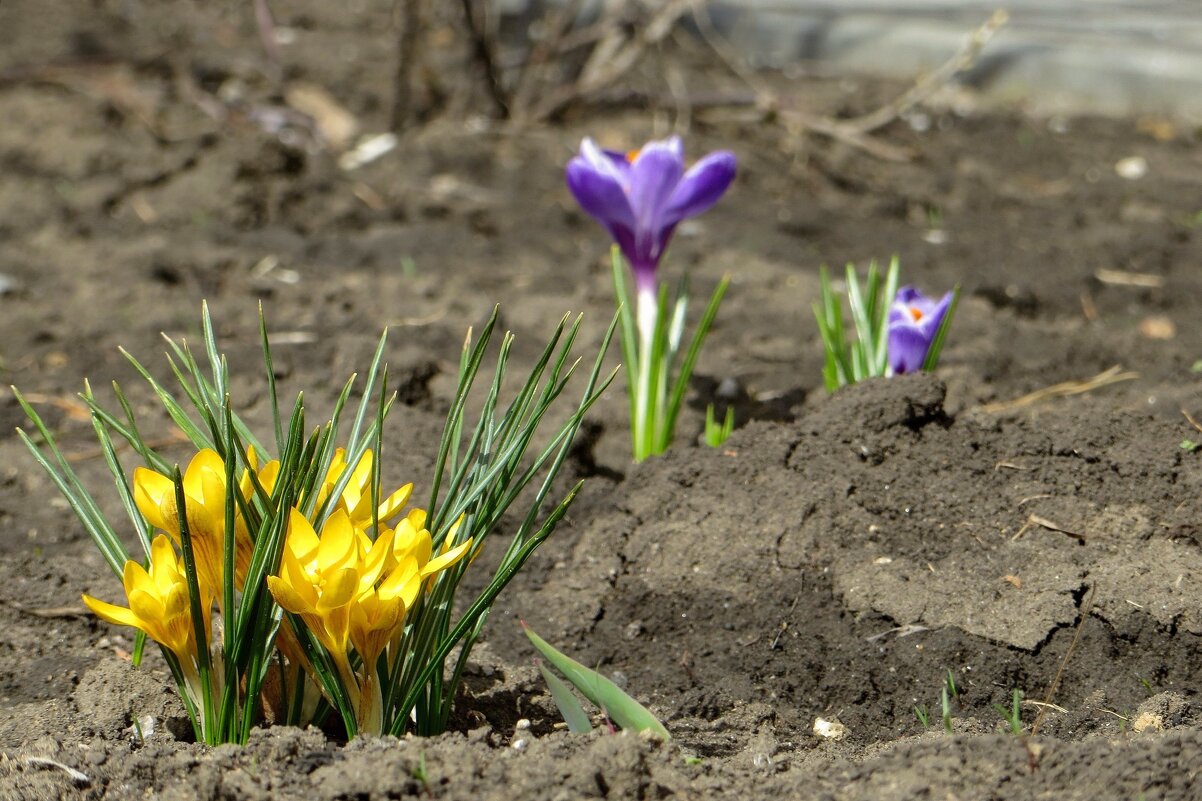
(1115, 57)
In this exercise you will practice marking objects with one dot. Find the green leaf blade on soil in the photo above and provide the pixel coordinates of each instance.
(625, 711)
(566, 702)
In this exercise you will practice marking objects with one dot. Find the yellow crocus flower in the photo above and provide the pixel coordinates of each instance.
(356, 496)
(412, 538)
(320, 577)
(267, 475)
(351, 591)
(159, 603)
(204, 500)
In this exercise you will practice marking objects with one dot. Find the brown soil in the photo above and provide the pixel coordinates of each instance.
(835, 559)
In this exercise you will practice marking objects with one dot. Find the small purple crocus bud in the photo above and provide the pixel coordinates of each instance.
(913, 321)
(640, 197)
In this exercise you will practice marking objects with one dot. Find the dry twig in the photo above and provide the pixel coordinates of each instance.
(1072, 646)
(1127, 278)
(1037, 520)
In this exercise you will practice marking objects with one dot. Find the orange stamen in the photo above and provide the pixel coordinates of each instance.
(915, 313)
(631, 155)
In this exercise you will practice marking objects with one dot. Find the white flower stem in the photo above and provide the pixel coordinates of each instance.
(644, 427)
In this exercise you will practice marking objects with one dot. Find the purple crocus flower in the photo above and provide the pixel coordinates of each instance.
(913, 321)
(640, 197)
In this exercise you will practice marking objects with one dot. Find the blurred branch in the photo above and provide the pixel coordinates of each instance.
(407, 17)
(556, 26)
(855, 131)
(933, 81)
(484, 50)
(265, 23)
(616, 52)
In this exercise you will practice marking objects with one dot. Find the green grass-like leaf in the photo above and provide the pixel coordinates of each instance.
(566, 702)
(624, 710)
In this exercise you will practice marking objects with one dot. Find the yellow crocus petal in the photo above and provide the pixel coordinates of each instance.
(411, 590)
(337, 465)
(204, 464)
(134, 576)
(299, 581)
(149, 608)
(269, 475)
(162, 555)
(176, 602)
(446, 559)
(112, 614)
(338, 589)
(404, 583)
(337, 630)
(356, 496)
(286, 596)
(394, 503)
(372, 623)
(338, 543)
(151, 491)
(364, 542)
(394, 584)
(301, 539)
(374, 561)
(212, 494)
(449, 540)
(411, 541)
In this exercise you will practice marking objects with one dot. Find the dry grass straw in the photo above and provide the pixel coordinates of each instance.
(1064, 389)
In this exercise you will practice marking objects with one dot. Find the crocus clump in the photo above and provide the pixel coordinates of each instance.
(896, 330)
(914, 321)
(296, 589)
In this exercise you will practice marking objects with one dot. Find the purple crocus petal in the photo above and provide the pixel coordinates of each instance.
(605, 161)
(908, 347)
(620, 160)
(654, 175)
(908, 295)
(933, 314)
(701, 186)
(600, 193)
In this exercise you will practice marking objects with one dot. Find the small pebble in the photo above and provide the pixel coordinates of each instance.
(1132, 168)
(830, 729)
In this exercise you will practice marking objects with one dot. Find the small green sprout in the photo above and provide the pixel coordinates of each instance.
(694, 760)
(420, 774)
(946, 703)
(1148, 688)
(1196, 367)
(1189, 445)
(1012, 715)
(923, 714)
(950, 681)
(934, 217)
(717, 433)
